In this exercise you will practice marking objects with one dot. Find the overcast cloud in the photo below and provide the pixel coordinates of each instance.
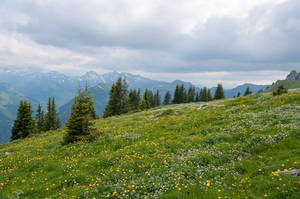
(168, 39)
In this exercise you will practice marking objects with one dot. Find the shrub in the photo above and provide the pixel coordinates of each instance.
(280, 90)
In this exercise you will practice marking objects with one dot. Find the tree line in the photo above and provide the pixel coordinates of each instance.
(26, 124)
(122, 100)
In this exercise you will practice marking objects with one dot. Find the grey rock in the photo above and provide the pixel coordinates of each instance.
(292, 76)
(7, 153)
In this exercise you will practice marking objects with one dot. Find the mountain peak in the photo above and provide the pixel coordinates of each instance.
(293, 76)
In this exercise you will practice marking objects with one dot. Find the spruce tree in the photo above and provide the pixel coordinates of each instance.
(133, 99)
(219, 94)
(83, 112)
(238, 94)
(167, 99)
(124, 96)
(151, 98)
(182, 94)
(48, 117)
(118, 102)
(40, 119)
(51, 120)
(24, 125)
(156, 98)
(111, 105)
(176, 97)
(204, 95)
(209, 97)
(197, 97)
(55, 120)
(145, 104)
(247, 91)
(191, 94)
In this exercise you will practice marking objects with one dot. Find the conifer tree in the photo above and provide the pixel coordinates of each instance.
(209, 97)
(48, 117)
(40, 119)
(197, 99)
(110, 108)
(83, 112)
(247, 91)
(145, 104)
(219, 94)
(156, 98)
(204, 95)
(191, 94)
(118, 102)
(51, 120)
(56, 121)
(134, 99)
(24, 125)
(151, 98)
(238, 94)
(176, 97)
(138, 96)
(124, 96)
(182, 95)
(167, 99)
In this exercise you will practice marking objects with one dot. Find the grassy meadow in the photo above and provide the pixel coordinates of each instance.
(223, 149)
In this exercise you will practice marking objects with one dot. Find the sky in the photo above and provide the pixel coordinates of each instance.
(205, 42)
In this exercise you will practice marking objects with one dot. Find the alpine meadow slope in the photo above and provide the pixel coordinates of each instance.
(223, 149)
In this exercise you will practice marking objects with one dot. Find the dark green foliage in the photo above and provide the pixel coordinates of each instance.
(83, 112)
(247, 91)
(40, 119)
(145, 104)
(176, 95)
(24, 125)
(118, 102)
(124, 96)
(197, 99)
(121, 101)
(156, 98)
(180, 95)
(219, 94)
(191, 94)
(238, 94)
(167, 99)
(151, 98)
(134, 99)
(203, 96)
(209, 97)
(51, 120)
(280, 90)
(183, 94)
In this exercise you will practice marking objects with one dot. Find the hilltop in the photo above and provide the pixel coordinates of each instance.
(228, 148)
(292, 81)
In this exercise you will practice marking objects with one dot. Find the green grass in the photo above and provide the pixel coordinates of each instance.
(286, 83)
(228, 149)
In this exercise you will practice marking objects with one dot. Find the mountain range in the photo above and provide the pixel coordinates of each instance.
(39, 86)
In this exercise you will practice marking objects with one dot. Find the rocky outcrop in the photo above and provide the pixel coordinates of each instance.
(293, 76)
(298, 76)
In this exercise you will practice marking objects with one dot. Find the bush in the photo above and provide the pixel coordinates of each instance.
(280, 90)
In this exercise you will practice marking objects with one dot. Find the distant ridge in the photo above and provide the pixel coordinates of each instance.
(292, 81)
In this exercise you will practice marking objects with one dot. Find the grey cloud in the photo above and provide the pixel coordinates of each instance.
(268, 39)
